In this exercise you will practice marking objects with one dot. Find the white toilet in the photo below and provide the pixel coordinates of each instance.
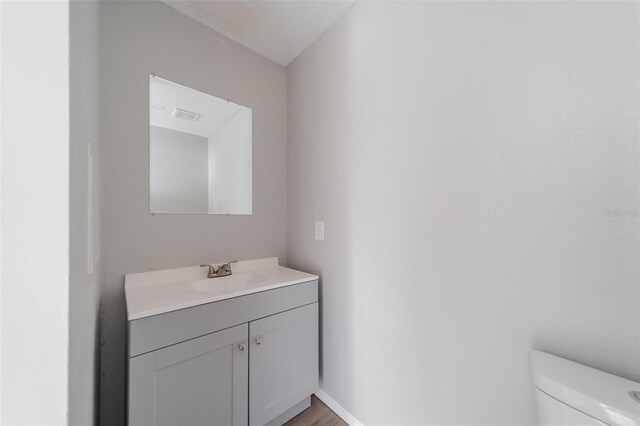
(568, 393)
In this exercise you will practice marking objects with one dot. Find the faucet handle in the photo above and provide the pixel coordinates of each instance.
(227, 266)
(212, 269)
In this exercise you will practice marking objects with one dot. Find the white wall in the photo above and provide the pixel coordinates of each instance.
(35, 212)
(467, 159)
(136, 39)
(179, 171)
(85, 268)
(230, 165)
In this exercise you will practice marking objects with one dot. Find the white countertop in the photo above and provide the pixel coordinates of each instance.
(158, 292)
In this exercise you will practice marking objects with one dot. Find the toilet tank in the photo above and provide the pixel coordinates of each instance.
(568, 393)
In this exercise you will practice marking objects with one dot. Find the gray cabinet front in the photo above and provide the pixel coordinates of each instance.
(246, 360)
(283, 366)
(203, 381)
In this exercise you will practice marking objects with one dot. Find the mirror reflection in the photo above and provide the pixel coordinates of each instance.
(199, 151)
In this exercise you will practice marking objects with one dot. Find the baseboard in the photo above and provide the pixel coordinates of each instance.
(337, 408)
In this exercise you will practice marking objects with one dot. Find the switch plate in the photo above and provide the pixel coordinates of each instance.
(320, 231)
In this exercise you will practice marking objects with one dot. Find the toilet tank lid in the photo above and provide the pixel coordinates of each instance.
(596, 393)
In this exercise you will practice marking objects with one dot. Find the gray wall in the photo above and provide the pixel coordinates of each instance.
(138, 38)
(179, 171)
(468, 160)
(84, 292)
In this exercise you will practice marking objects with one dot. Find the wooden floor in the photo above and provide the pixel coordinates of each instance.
(318, 414)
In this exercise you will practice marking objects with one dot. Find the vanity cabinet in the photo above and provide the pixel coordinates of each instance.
(248, 360)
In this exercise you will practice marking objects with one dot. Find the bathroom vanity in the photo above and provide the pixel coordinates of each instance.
(236, 350)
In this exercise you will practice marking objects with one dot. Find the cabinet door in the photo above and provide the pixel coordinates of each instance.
(199, 382)
(283, 367)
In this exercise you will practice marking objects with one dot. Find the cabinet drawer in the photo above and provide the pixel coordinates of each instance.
(158, 331)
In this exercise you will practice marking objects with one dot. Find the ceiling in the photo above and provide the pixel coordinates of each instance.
(277, 29)
(165, 96)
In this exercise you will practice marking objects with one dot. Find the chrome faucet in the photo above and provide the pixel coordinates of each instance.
(221, 271)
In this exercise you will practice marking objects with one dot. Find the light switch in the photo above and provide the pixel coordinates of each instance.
(320, 231)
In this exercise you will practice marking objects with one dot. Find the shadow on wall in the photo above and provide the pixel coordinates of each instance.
(315, 149)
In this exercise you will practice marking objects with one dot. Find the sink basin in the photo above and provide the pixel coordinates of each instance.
(227, 283)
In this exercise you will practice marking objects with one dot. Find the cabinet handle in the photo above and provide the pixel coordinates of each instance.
(242, 347)
(259, 341)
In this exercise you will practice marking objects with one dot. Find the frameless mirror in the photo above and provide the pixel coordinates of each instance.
(199, 152)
